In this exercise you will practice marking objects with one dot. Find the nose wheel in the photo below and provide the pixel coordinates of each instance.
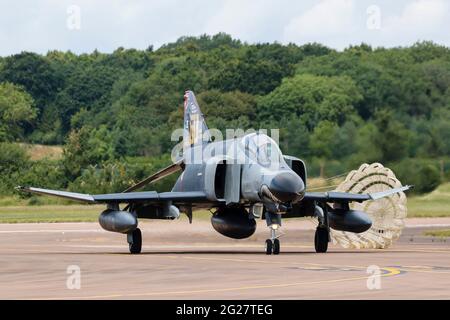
(269, 246)
(273, 244)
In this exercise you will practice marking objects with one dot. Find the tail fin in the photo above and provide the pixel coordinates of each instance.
(195, 128)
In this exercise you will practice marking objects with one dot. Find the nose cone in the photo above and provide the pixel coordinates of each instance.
(287, 187)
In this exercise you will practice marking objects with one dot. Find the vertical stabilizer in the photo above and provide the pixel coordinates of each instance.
(195, 129)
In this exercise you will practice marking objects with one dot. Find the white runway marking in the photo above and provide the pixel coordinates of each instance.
(53, 231)
(430, 225)
(196, 246)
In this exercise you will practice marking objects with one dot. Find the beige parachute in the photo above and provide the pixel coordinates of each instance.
(387, 214)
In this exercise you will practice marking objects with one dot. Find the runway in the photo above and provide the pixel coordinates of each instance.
(182, 261)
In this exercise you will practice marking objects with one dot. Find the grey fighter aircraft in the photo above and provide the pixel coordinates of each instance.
(239, 180)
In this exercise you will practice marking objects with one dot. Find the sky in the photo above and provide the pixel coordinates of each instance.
(85, 25)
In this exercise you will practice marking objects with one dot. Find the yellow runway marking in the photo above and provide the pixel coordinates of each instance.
(316, 265)
(390, 272)
(420, 270)
(277, 262)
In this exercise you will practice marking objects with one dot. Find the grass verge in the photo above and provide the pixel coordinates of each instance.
(63, 213)
(42, 209)
(50, 213)
(434, 204)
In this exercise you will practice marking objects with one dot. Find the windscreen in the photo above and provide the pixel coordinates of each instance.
(263, 150)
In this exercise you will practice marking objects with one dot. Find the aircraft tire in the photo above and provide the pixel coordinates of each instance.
(136, 245)
(269, 246)
(276, 246)
(321, 240)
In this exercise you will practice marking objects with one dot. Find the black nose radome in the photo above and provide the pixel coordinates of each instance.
(287, 187)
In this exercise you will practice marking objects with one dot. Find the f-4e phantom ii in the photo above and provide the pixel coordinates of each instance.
(240, 180)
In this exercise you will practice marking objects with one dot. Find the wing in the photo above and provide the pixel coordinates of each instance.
(81, 197)
(334, 196)
(167, 171)
(197, 196)
(129, 197)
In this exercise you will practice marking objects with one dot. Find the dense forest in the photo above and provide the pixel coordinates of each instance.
(114, 113)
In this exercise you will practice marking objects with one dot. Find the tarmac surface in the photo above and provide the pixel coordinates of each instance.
(182, 261)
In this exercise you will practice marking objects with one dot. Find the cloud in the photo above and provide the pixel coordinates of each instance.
(328, 18)
(419, 19)
(105, 25)
(41, 25)
(250, 20)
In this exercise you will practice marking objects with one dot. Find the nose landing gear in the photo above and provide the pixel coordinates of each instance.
(272, 246)
(273, 222)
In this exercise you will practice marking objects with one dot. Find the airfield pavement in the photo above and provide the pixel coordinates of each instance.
(182, 261)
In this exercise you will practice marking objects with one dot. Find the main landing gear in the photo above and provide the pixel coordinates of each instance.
(273, 222)
(321, 239)
(322, 236)
(134, 239)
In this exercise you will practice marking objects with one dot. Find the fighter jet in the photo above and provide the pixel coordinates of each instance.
(240, 180)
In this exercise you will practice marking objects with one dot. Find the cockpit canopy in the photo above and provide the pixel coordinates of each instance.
(261, 149)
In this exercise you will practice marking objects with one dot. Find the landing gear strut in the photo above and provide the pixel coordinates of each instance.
(273, 222)
(135, 241)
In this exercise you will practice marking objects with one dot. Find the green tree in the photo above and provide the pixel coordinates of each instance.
(312, 99)
(368, 150)
(322, 141)
(13, 160)
(422, 173)
(248, 74)
(35, 73)
(228, 110)
(87, 146)
(392, 138)
(16, 109)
